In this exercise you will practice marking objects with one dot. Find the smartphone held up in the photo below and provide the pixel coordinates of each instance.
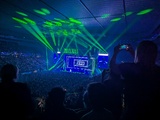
(124, 47)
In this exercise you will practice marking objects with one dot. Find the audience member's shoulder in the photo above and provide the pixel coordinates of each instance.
(157, 67)
(129, 68)
(127, 65)
(157, 71)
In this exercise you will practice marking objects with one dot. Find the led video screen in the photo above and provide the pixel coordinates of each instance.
(77, 63)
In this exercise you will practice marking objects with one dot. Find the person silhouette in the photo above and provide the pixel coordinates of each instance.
(114, 92)
(55, 108)
(97, 96)
(87, 107)
(16, 100)
(141, 81)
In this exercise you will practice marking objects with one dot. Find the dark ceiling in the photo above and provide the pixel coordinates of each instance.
(103, 22)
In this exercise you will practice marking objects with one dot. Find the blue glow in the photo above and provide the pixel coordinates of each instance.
(103, 61)
(100, 54)
(79, 64)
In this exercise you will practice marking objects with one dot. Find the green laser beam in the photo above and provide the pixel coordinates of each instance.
(19, 20)
(63, 53)
(92, 38)
(144, 11)
(63, 43)
(123, 32)
(29, 29)
(105, 31)
(38, 31)
(53, 38)
(21, 13)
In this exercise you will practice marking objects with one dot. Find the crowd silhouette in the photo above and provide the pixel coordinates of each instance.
(55, 108)
(141, 81)
(16, 100)
(97, 97)
(131, 91)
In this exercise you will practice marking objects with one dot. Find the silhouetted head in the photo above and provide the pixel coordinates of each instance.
(56, 96)
(8, 73)
(146, 53)
(96, 94)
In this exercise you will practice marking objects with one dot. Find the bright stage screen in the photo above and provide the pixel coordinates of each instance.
(103, 61)
(78, 63)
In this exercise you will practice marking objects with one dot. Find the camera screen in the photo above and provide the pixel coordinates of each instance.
(124, 47)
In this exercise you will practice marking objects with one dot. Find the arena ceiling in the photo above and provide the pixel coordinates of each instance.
(79, 24)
